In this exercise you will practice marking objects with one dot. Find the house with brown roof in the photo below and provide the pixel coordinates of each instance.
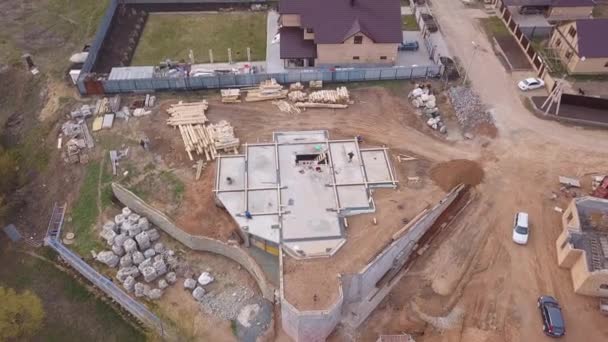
(339, 32)
(553, 10)
(582, 45)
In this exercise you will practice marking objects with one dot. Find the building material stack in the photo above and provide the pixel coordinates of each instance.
(267, 90)
(286, 107)
(336, 99)
(231, 95)
(190, 119)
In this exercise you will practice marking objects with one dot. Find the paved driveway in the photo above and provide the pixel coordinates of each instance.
(274, 64)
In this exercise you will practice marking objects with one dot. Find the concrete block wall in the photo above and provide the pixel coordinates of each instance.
(358, 293)
(198, 243)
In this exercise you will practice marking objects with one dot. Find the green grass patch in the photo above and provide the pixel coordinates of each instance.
(175, 184)
(85, 212)
(408, 23)
(73, 313)
(234, 327)
(494, 27)
(172, 36)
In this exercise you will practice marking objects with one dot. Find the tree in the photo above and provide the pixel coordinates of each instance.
(21, 314)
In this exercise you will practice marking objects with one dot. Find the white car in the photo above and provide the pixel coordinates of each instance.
(521, 230)
(530, 84)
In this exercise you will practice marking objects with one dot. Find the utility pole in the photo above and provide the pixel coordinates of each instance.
(466, 71)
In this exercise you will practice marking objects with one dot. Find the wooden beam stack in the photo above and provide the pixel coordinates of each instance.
(340, 95)
(231, 95)
(267, 90)
(190, 119)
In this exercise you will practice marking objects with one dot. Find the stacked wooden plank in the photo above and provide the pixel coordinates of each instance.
(102, 106)
(315, 84)
(297, 96)
(222, 136)
(231, 95)
(296, 86)
(267, 90)
(187, 113)
(340, 95)
(199, 139)
(286, 107)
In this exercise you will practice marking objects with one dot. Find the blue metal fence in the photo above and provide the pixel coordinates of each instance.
(248, 80)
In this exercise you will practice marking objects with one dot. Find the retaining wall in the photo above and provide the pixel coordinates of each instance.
(359, 295)
(198, 243)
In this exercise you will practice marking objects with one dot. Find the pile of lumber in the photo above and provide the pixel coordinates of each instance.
(102, 106)
(190, 119)
(297, 96)
(267, 90)
(286, 107)
(296, 86)
(321, 105)
(231, 95)
(340, 95)
(222, 136)
(187, 113)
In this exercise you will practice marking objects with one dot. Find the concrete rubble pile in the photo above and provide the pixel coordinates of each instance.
(78, 140)
(422, 98)
(83, 112)
(228, 303)
(470, 111)
(137, 254)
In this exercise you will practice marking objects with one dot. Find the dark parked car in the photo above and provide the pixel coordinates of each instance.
(553, 320)
(429, 21)
(409, 46)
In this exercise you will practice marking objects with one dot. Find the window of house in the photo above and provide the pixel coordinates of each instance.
(604, 287)
(384, 57)
(356, 58)
(572, 32)
(309, 30)
(358, 39)
(558, 42)
(568, 55)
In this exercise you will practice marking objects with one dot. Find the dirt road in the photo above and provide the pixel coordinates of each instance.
(476, 267)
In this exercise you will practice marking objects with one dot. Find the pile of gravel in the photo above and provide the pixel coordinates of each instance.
(228, 303)
(470, 111)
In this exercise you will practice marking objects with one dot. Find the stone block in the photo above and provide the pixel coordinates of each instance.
(139, 289)
(159, 247)
(149, 253)
(130, 246)
(162, 284)
(129, 283)
(143, 240)
(120, 239)
(138, 257)
(126, 261)
(133, 219)
(171, 277)
(126, 212)
(149, 274)
(154, 294)
(198, 293)
(119, 219)
(108, 235)
(160, 267)
(205, 278)
(108, 258)
(118, 250)
(146, 263)
(133, 230)
(111, 226)
(189, 283)
(125, 272)
(153, 234)
(143, 223)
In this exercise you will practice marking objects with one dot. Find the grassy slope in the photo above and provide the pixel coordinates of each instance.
(72, 313)
(408, 23)
(173, 35)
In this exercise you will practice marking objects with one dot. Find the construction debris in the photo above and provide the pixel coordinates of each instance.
(141, 112)
(108, 121)
(84, 112)
(114, 104)
(570, 182)
(222, 135)
(286, 107)
(470, 111)
(231, 95)
(267, 90)
(102, 106)
(79, 139)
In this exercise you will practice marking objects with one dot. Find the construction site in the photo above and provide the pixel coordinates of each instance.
(303, 209)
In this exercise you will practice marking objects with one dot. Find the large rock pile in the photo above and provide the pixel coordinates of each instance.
(470, 111)
(196, 286)
(134, 250)
(423, 98)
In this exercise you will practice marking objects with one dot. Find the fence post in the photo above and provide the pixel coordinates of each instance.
(411, 72)
(248, 54)
(210, 56)
(395, 73)
(229, 56)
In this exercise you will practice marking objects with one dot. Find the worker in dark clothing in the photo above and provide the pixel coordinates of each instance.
(248, 215)
(351, 155)
(581, 91)
(229, 180)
